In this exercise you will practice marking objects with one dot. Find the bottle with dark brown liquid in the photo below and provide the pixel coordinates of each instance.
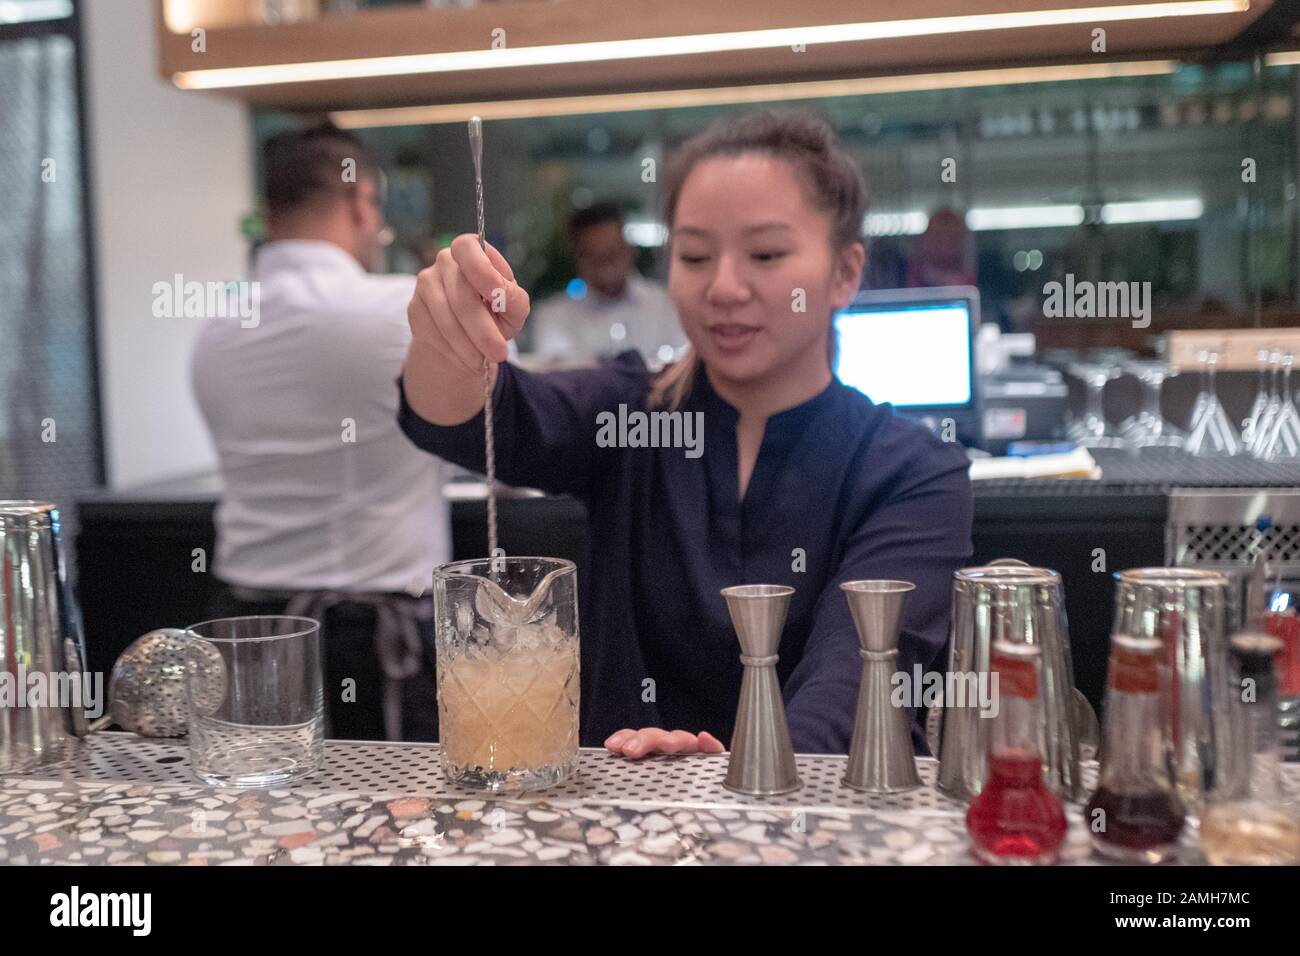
(1135, 814)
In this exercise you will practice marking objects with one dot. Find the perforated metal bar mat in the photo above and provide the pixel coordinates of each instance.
(387, 768)
(383, 769)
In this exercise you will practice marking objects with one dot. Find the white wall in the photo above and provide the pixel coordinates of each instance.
(171, 175)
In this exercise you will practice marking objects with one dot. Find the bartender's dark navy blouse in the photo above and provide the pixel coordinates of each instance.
(842, 490)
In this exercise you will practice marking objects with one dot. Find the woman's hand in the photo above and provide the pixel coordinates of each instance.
(654, 740)
(466, 306)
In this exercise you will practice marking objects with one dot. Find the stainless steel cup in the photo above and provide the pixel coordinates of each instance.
(1186, 610)
(1022, 605)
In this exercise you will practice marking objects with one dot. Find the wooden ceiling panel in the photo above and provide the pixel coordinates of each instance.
(417, 30)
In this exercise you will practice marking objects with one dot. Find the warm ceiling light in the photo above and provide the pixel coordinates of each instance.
(1283, 58)
(731, 95)
(550, 54)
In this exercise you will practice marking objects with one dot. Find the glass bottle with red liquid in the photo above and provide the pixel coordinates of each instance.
(1016, 819)
(1135, 815)
(1285, 626)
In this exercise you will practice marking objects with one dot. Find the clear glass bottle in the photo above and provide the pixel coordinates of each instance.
(1135, 814)
(1248, 822)
(1016, 819)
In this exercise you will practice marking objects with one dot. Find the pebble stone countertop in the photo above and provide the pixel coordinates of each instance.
(665, 810)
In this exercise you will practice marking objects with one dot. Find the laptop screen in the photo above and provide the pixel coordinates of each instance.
(907, 352)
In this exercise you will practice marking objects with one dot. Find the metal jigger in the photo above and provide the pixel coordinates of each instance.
(880, 757)
(762, 757)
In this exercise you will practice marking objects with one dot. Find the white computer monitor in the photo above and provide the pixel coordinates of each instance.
(913, 348)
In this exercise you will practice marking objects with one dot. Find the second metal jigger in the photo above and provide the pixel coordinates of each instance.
(762, 757)
(880, 757)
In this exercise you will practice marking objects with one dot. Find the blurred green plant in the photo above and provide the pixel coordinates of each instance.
(252, 226)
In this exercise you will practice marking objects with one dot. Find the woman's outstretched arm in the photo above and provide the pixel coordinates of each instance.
(921, 533)
(545, 424)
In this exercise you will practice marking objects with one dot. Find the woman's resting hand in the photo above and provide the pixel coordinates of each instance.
(655, 740)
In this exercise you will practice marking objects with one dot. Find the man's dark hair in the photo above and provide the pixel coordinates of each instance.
(597, 214)
(306, 168)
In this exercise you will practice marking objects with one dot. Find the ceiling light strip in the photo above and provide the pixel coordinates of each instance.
(732, 95)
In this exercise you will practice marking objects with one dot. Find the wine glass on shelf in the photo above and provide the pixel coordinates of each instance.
(1262, 423)
(1148, 428)
(1210, 434)
(1281, 441)
(1091, 428)
(1263, 396)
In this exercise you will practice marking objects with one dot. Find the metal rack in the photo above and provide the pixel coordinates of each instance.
(1221, 526)
(371, 767)
(1225, 530)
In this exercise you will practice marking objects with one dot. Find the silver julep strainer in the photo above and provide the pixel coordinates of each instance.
(146, 691)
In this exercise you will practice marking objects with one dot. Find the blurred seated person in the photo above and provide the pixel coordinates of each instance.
(940, 257)
(886, 264)
(327, 511)
(611, 307)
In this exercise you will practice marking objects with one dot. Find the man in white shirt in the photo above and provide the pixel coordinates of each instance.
(327, 510)
(610, 307)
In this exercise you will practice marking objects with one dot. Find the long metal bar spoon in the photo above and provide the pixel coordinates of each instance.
(476, 148)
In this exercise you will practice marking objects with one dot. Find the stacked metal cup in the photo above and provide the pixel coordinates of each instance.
(1023, 605)
(1186, 609)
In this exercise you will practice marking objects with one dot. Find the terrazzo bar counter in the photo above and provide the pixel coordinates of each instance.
(123, 800)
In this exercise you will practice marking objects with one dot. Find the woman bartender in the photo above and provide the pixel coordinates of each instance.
(801, 480)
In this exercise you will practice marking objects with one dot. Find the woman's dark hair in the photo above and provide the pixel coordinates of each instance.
(802, 137)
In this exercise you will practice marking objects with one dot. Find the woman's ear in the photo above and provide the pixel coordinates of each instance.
(848, 273)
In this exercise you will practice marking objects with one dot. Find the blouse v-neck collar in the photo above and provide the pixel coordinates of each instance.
(789, 423)
(781, 433)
